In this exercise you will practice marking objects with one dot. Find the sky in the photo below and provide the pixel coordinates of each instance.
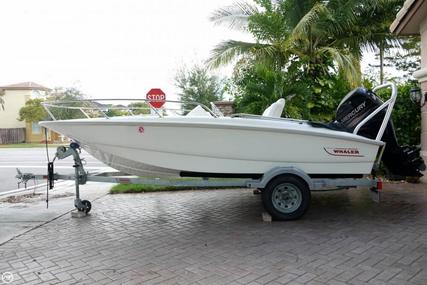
(110, 48)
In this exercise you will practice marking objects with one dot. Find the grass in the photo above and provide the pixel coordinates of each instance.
(144, 188)
(147, 188)
(28, 145)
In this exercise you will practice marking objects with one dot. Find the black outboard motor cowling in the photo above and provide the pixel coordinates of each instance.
(356, 106)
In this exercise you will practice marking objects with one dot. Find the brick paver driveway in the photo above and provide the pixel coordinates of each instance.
(218, 237)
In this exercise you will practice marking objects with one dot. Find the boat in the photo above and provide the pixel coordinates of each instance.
(203, 143)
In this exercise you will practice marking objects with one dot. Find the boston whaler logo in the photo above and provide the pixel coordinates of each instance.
(343, 151)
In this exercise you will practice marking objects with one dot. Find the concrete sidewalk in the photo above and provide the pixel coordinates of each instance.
(24, 214)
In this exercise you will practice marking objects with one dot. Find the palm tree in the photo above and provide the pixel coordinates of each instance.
(237, 17)
(313, 39)
(317, 33)
(372, 29)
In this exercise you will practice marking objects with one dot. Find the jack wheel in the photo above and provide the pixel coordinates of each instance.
(87, 206)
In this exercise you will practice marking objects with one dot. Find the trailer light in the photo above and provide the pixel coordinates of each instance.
(379, 185)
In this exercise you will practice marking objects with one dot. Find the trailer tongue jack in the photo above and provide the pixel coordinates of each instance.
(80, 175)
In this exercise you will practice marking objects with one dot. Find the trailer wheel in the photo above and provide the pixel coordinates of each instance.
(286, 197)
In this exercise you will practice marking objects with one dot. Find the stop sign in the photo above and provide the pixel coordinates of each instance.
(156, 97)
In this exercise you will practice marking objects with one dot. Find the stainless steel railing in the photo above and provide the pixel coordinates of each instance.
(107, 108)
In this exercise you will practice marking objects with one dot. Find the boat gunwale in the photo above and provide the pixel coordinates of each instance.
(215, 125)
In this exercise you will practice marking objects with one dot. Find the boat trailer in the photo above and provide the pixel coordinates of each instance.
(285, 190)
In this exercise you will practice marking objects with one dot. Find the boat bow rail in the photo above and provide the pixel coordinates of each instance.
(108, 108)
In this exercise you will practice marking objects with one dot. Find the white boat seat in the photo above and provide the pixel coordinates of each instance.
(275, 110)
(198, 111)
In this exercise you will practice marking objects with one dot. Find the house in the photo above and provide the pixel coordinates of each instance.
(412, 20)
(226, 107)
(14, 97)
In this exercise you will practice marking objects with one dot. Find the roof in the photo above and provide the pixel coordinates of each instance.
(409, 18)
(25, 86)
(223, 103)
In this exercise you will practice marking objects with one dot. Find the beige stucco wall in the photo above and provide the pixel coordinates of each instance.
(423, 32)
(14, 100)
(422, 77)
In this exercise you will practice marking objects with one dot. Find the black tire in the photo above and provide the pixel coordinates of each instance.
(286, 197)
(88, 206)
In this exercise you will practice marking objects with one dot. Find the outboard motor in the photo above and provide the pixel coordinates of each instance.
(356, 106)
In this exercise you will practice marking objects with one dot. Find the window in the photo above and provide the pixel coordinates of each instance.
(35, 128)
(36, 94)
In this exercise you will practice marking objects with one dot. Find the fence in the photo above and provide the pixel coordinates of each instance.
(8, 136)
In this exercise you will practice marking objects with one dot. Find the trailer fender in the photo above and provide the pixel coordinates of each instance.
(277, 171)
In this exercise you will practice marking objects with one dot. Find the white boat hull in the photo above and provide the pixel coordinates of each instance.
(171, 146)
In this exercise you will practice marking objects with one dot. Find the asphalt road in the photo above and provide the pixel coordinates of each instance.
(34, 160)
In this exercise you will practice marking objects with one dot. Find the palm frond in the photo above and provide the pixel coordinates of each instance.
(303, 26)
(372, 41)
(236, 15)
(347, 63)
(226, 51)
(339, 19)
